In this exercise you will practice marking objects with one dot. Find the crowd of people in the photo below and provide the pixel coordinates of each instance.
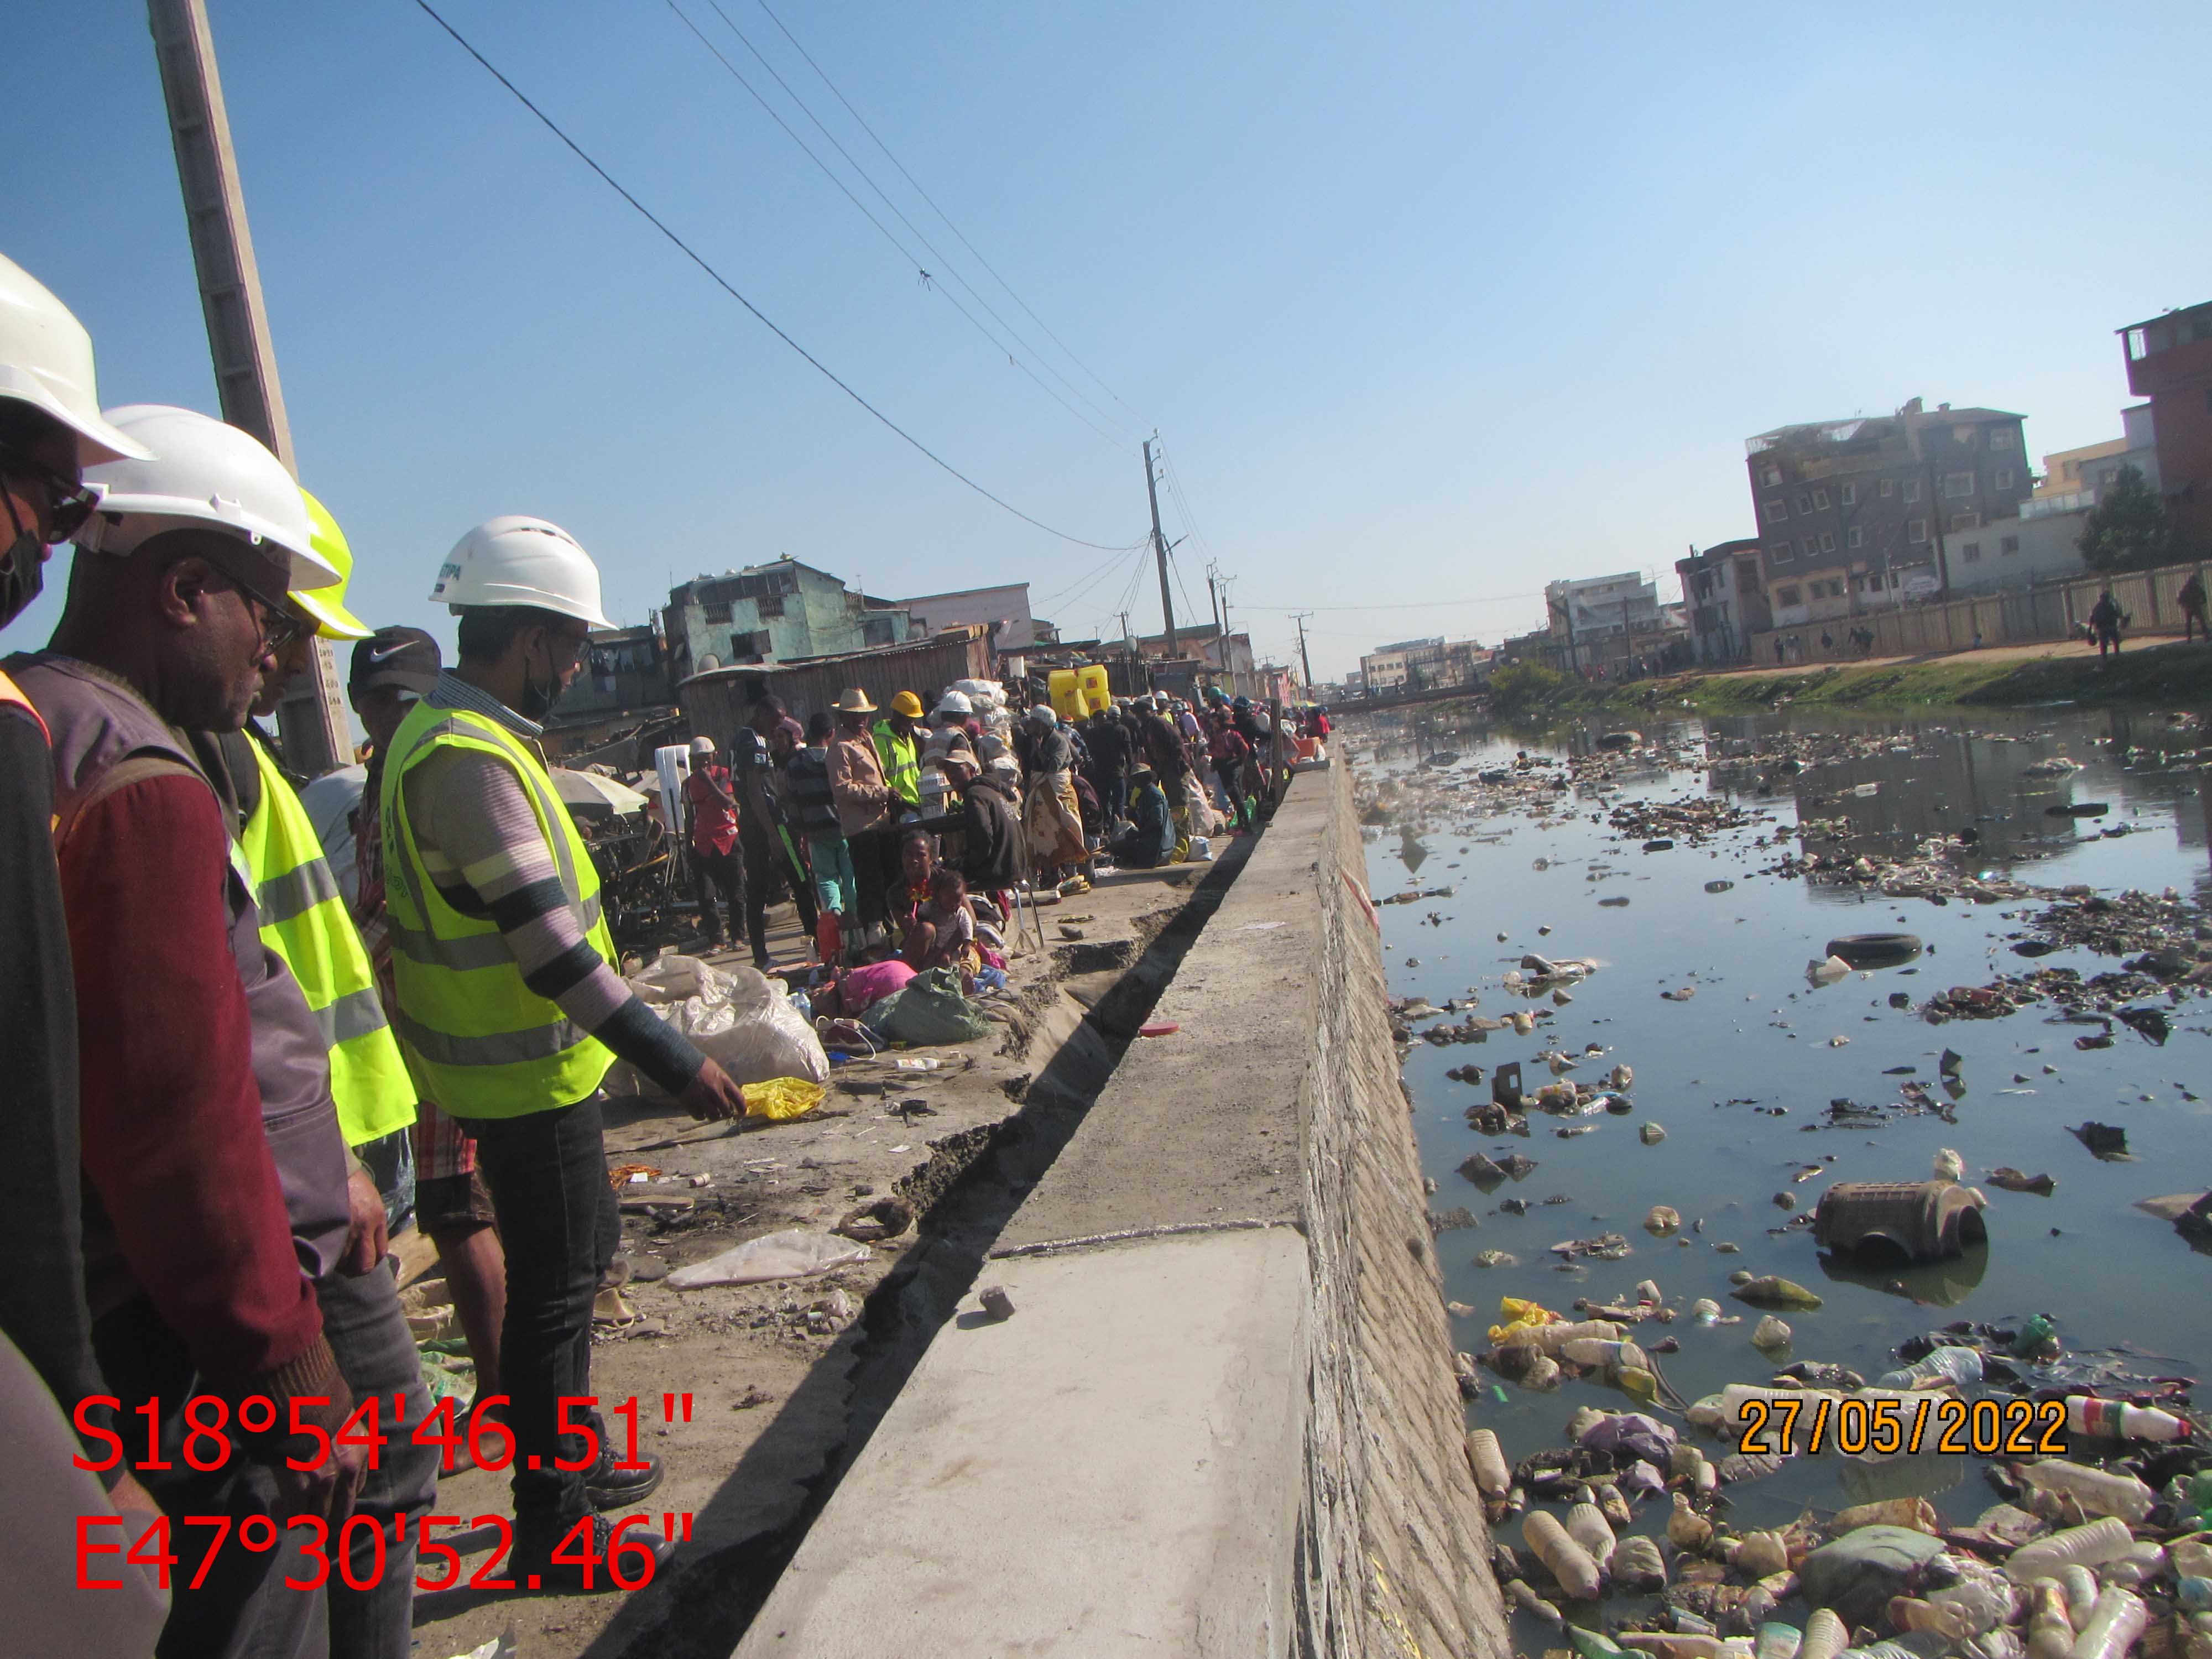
(901, 834)
(238, 1064)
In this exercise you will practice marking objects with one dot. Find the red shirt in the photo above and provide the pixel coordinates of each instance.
(714, 826)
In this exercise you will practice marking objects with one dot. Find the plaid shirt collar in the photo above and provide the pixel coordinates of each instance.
(453, 692)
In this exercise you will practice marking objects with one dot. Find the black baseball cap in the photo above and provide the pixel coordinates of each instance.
(406, 657)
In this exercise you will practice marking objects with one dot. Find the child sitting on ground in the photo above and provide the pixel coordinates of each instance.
(943, 931)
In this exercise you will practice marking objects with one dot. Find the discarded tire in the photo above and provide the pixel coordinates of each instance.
(1914, 1220)
(1875, 949)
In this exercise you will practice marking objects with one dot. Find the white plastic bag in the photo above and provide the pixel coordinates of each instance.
(792, 1254)
(740, 1018)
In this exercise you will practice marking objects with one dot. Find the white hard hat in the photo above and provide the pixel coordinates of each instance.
(46, 361)
(514, 561)
(954, 703)
(207, 476)
(702, 745)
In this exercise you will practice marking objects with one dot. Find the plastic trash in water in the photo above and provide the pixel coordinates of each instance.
(2099, 1492)
(1951, 1364)
(1567, 1561)
(1825, 1636)
(790, 1255)
(2113, 1625)
(2116, 1419)
(2092, 1546)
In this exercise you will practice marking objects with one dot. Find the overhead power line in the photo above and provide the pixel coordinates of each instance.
(724, 283)
(940, 212)
(905, 253)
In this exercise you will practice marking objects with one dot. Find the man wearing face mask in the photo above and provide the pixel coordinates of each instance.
(50, 429)
(511, 1009)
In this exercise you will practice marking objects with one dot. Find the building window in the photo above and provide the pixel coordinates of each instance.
(1888, 488)
(1915, 530)
(2001, 478)
(2138, 348)
(1854, 536)
(1778, 511)
(1912, 489)
(1970, 552)
(1821, 499)
(1827, 541)
(1849, 495)
(770, 604)
(2008, 545)
(1780, 553)
(718, 612)
(1812, 547)
(2000, 437)
(1770, 477)
(1804, 501)
(1956, 484)
(1965, 520)
(1786, 596)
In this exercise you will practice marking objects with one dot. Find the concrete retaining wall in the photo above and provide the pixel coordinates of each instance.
(1221, 1419)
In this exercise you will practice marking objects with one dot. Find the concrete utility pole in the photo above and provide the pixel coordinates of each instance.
(1213, 597)
(1160, 552)
(312, 717)
(1304, 662)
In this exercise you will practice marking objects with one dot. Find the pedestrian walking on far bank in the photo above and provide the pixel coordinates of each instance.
(2105, 620)
(2191, 600)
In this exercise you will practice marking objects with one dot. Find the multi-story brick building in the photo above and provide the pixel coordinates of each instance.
(2170, 362)
(1855, 514)
(774, 612)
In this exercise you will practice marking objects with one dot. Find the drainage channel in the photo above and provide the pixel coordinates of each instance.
(964, 1197)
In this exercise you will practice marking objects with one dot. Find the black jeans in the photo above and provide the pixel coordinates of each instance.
(722, 870)
(560, 1225)
(767, 865)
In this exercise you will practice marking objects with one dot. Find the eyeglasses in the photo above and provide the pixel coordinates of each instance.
(69, 504)
(281, 626)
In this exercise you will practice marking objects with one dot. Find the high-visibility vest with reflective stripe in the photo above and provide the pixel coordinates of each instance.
(902, 762)
(304, 919)
(481, 1042)
(12, 694)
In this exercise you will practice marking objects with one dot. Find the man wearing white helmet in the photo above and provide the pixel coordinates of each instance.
(50, 429)
(210, 1139)
(511, 1008)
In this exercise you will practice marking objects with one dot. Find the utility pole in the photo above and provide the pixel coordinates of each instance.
(312, 719)
(1213, 595)
(1160, 552)
(1304, 662)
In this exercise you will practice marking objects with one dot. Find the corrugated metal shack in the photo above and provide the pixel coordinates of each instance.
(714, 703)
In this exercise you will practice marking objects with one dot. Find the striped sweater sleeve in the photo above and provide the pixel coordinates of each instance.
(482, 848)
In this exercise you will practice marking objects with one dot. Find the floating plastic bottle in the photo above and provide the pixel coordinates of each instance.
(1586, 1525)
(2114, 1624)
(1518, 1593)
(1777, 1640)
(1825, 1636)
(2194, 1593)
(1948, 1363)
(1568, 1561)
(1983, 1603)
(2079, 1586)
(2143, 1562)
(1686, 1529)
(1608, 1357)
(1487, 1460)
(2050, 1632)
(2113, 1419)
(1554, 1339)
(2099, 1492)
(2083, 1546)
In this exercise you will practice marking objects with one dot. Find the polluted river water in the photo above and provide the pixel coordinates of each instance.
(1743, 1074)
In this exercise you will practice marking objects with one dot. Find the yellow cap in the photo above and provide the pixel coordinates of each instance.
(327, 605)
(908, 704)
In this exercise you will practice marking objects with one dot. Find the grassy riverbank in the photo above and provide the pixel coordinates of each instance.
(1999, 678)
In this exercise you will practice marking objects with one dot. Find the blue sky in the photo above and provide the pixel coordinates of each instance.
(1430, 304)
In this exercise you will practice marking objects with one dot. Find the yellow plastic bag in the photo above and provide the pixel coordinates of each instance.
(780, 1098)
(1520, 1316)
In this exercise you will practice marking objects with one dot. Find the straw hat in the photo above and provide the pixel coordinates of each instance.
(855, 701)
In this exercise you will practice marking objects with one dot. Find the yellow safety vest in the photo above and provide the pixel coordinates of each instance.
(304, 919)
(902, 762)
(481, 1042)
